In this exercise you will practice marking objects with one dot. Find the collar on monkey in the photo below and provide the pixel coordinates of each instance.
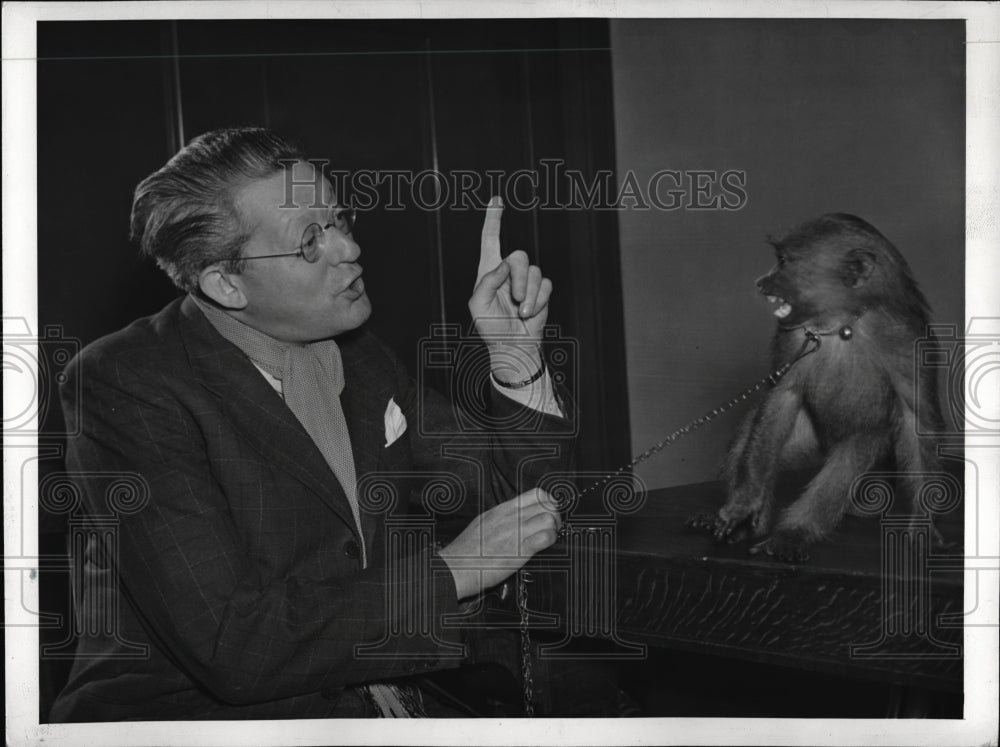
(845, 331)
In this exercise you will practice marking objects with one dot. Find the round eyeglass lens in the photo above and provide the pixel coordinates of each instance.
(310, 242)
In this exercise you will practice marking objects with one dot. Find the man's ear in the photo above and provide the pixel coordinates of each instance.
(857, 267)
(222, 287)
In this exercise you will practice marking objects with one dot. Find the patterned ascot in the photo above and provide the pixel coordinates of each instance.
(310, 378)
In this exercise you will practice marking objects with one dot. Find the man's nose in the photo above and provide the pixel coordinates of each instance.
(341, 247)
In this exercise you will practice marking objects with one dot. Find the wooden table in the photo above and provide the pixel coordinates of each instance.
(857, 609)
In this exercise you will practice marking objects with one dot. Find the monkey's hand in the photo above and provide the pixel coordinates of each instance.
(788, 545)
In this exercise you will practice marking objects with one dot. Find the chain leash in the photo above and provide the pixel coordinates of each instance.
(527, 681)
(810, 345)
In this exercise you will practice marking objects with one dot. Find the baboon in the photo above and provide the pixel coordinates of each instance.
(853, 401)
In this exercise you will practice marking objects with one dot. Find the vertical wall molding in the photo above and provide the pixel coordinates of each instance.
(173, 100)
(435, 166)
(585, 86)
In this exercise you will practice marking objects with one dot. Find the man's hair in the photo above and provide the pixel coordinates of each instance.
(184, 215)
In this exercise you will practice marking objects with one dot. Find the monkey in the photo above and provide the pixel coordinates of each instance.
(849, 313)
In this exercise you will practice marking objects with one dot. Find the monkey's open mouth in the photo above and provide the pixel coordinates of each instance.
(784, 308)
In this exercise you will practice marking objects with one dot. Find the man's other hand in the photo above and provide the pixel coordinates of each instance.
(501, 540)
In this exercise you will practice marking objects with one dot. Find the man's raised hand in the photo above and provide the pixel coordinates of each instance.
(509, 304)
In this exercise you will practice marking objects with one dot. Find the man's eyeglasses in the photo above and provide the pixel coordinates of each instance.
(341, 218)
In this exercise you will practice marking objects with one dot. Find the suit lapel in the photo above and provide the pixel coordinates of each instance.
(257, 411)
(364, 400)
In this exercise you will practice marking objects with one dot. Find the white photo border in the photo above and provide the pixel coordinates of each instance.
(20, 474)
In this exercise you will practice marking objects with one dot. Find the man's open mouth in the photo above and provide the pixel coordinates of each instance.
(783, 307)
(356, 287)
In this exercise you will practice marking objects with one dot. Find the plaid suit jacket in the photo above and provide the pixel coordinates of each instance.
(240, 574)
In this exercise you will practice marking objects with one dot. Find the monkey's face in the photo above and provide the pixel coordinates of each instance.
(812, 282)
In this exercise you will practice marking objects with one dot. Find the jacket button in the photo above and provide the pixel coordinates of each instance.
(352, 550)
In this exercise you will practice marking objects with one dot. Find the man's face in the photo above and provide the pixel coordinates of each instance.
(289, 298)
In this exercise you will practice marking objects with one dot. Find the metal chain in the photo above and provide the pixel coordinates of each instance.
(810, 344)
(527, 681)
(771, 379)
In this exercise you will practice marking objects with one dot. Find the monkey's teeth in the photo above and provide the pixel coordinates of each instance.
(772, 299)
(782, 311)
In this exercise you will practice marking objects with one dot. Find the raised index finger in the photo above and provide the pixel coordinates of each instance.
(489, 252)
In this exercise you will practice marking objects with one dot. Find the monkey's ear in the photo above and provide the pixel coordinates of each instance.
(857, 267)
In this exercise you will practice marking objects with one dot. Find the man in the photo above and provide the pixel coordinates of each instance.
(255, 567)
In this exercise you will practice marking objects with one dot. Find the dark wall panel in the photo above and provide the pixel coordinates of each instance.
(356, 97)
(102, 126)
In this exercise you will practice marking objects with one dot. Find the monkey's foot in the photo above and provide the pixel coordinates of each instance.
(787, 545)
(724, 530)
(702, 522)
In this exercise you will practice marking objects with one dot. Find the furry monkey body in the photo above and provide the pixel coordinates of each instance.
(853, 402)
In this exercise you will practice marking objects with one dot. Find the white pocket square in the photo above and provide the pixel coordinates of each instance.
(395, 422)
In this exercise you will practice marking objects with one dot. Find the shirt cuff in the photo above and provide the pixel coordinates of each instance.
(539, 395)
